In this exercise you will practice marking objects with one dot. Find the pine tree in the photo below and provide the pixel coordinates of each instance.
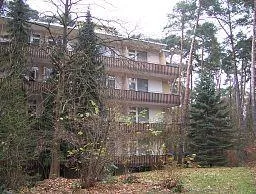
(210, 128)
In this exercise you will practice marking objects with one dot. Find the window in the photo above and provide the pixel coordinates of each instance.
(143, 115)
(138, 55)
(111, 82)
(35, 39)
(33, 73)
(132, 84)
(108, 51)
(47, 73)
(139, 114)
(138, 84)
(142, 56)
(142, 85)
(132, 54)
(133, 114)
(59, 40)
(5, 38)
(51, 41)
(133, 147)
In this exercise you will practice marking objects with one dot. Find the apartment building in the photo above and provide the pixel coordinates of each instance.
(139, 77)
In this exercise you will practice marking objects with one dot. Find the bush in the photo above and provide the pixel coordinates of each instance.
(130, 179)
(173, 185)
(75, 186)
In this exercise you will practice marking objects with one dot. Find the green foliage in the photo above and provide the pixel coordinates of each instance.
(16, 147)
(210, 129)
(218, 180)
(76, 185)
(86, 78)
(19, 12)
(183, 13)
(204, 180)
(179, 26)
(83, 114)
(130, 179)
(209, 52)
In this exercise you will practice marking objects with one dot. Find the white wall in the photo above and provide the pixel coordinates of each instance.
(155, 86)
(153, 57)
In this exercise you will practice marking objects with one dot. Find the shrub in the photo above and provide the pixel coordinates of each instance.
(174, 185)
(130, 179)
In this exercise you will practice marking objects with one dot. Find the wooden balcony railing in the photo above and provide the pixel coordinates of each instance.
(146, 127)
(139, 96)
(141, 160)
(115, 94)
(131, 65)
(35, 87)
(113, 63)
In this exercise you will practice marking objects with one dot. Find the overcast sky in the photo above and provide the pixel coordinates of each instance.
(144, 16)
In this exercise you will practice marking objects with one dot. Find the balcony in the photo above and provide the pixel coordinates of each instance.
(144, 97)
(38, 87)
(115, 65)
(119, 95)
(146, 127)
(136, 67)
(166, 100)
(142, 160)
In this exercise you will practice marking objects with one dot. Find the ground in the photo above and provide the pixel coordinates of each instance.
(186, 180)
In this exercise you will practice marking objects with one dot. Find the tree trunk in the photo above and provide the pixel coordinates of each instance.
(253, 65)
(236, 79)
(181, 97)
(184, 114)
(55, 162)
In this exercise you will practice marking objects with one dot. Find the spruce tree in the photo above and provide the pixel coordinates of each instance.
(210, 128)
(92, 71)
(85, 108)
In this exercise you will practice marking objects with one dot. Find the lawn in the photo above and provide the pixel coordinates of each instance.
(208, 180)
(192, 180)
(219, 180)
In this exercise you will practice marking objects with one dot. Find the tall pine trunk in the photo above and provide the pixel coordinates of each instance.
(253, 65)
(184, 114)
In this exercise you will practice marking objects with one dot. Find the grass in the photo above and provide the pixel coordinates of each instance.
(207, 180)
(219, 180)
(239, 180)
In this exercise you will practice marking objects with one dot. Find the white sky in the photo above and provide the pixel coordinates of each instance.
(144, 16)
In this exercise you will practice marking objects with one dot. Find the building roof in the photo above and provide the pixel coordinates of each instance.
(104, 34)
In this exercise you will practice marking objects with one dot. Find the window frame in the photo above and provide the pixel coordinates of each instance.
(134, 84)
(35, 39)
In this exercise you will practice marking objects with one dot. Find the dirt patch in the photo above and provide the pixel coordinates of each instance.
(68, 186)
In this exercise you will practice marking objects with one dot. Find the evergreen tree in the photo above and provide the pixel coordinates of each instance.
(210, 128)
(17, 146)
(18, 30)
(87, 69)
(85, 110)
